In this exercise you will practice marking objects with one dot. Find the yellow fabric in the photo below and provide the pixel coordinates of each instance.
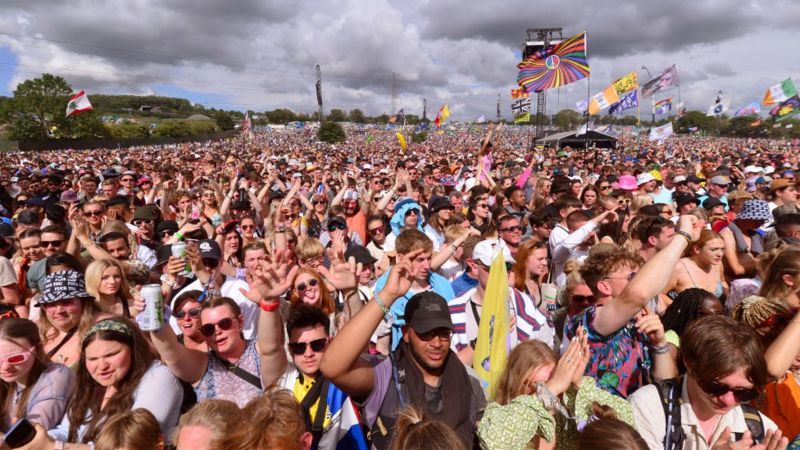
(491, 349)
(300, 390)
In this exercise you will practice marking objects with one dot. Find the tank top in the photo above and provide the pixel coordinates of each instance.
(219, 382)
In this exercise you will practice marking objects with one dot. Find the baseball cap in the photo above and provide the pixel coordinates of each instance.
(209, 249)
(360, 254)
(685, 199)
(753, 169)
(694, 179)
(427, 311)
(720, 180)
(485, 251)
(643, 178)
(679, 179)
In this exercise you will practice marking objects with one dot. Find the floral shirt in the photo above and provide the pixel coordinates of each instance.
(513, 426)
(620, 362)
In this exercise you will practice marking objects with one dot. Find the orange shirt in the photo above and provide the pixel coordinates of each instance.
(358, 223)
(783, 405)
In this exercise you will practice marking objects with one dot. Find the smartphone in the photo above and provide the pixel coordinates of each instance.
(20, 434)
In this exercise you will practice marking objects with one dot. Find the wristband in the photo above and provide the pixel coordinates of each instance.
(381, 305)
(269, 306)
(659, 349)
(685, 235)
(179, 235)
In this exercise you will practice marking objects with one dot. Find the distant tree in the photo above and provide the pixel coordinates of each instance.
(37, 105)
(202, 127)
(383, 118)
(86, 125)
(331, 132)
(172, 128)
(224, 120)
(356, 116)
(567, 119)
(336, 115)
(696, 119)
(130, 130)
(280, 116)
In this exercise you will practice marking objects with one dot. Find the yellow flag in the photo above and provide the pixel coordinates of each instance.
(626, 83)
(491, 349)
(603, 100)
(401, 140)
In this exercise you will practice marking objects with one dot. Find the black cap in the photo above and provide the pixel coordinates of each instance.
(427, 311)
(336, 219)
(685, 199)
(439, 203)
(162, 255)
(209, 249)
(361, 255)
(167, 225)
(712, 202)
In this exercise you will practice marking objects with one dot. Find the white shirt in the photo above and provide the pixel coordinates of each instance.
(230, 288)
(648, 413)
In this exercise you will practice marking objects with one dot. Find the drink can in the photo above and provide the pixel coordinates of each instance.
(179, 249)
(152, 318)
(549, 294)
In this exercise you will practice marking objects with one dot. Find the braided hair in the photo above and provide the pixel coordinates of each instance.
(685, 309)
(767, 316)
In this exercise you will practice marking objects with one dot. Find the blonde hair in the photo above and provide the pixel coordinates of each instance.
(414, 431)
(217, 415)
(453, 232)
(309, 248)
(785, 261)
(640, 200)
(131, 430)
(572, 270)
(754, 311)
(524, 358)
(94, 275)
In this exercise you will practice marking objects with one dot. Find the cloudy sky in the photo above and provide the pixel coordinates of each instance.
(261, 54)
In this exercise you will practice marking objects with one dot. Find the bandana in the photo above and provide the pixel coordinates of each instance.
(109, 325)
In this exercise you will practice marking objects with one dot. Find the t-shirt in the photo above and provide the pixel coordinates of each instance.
(7, 274)
(358, 223)
(619, 362)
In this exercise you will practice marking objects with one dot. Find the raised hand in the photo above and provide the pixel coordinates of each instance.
(650, 325)
(270, 280)
(400, 278)
(565, 368)
(343, 275)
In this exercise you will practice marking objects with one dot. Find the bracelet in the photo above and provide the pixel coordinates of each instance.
(269, 306)
(381, 304)
(659, 349)
(178, 235)
(685, 235)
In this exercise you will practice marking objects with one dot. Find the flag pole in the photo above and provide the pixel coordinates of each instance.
(588, 104)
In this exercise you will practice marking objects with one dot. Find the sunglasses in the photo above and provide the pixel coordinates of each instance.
(442, 333)
(582, 298)
(208, 329)
(54, 244)
(93, 213)
(67, 302)
(193, 313)
(511, 229)
(248, 227)
(302, 286)
(319, 202)
(604, 188)
(482, 205)
(412, 211)
(625, 201)
(126, 180)
(380, 230)
(717, 389)
(336, 226)
(299, 348)
(141, 221)
(17, 358)
(167, 233)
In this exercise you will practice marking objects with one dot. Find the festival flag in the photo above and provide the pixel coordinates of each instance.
(480, 119)
(626, 83)
(681, 110)
(523, 118)
(401, 140)
(519, 93)
(399, 117)
(247, 126)
(491, 348)
(667, 79)
(554, 66)
(664, 106)
(78, 103)
(720, 105)
(787, 109)
(661, 133)
(441, 116)
(603, 100)
(779, 92)
(520, 107)
(628, 101)
(750, 109)
(582, 106)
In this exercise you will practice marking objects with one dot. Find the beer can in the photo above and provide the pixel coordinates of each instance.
(152, 318)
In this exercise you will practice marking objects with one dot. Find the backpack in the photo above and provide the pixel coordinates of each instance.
(670, 393)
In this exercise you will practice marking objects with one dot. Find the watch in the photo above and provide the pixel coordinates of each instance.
(165, 280)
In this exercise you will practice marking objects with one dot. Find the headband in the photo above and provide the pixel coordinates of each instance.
(109, 325)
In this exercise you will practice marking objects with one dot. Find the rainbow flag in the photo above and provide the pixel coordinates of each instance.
(556, 65)
(492, 344)
(442, 115)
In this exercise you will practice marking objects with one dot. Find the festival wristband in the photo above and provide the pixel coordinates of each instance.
(659, 349)
(179, 235)
(685, 235)
(269, 306)
(381, 304)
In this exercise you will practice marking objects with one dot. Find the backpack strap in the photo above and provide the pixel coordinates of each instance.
(670, 393)
(754, 423)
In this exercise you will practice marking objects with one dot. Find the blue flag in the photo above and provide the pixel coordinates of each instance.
(627, 101)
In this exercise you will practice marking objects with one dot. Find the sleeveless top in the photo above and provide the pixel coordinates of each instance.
(219, 382)
(718, 291)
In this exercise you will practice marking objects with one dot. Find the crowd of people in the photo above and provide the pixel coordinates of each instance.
(318, 296)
